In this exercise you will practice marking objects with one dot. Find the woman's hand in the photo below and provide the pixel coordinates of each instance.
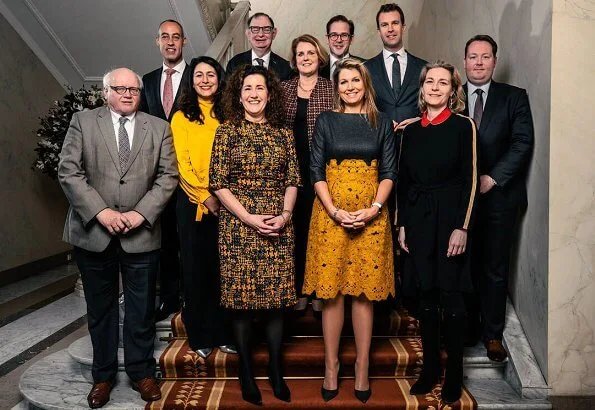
(457, 243)
(402, 241)
(277, 223)
(343, 217)
(363, 216)
(260, 225)
(212, 204)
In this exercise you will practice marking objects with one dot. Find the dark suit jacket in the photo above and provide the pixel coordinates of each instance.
(505, 144)
(403, 106)
(150, 101)
(277, 64)
(326, 70)
(90, 174)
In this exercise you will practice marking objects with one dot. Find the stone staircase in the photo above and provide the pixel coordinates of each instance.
(63, 380)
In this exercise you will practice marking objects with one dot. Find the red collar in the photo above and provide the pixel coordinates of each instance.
(439, 119)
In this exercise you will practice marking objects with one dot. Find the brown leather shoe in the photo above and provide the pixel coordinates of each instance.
(148, 388)
(99, 394)
(495, 350)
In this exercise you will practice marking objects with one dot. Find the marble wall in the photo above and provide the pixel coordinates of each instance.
(571, 358)
(33, 206)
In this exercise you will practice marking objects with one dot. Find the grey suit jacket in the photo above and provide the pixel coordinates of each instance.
(90, 175)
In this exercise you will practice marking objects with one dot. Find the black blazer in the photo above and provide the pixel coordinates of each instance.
(404, 105)
(505, 139)
(277, 64)
(150, 101)
(326, 70)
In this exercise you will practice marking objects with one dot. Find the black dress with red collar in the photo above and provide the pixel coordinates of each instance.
(436, 194)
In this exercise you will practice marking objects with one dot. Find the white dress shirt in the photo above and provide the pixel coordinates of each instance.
(388, 63)
(266, 58)
(334, 60)
(472, 96)
(176, 78)
(128, 125)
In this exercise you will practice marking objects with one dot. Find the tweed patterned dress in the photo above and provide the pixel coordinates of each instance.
(256, 162)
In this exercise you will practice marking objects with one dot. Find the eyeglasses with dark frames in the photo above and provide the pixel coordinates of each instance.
(335, 36)
(121, 90)
(264, 29)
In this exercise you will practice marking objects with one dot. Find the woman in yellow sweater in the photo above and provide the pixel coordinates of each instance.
(193, 128)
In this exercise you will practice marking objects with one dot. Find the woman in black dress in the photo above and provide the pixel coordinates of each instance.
(305, 97)
(437, 187)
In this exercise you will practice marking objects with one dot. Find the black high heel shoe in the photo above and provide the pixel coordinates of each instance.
(280, 389)
(363, 395)
(250, 392)
(328, 395)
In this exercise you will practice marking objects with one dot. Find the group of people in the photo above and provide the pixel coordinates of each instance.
(276, 182)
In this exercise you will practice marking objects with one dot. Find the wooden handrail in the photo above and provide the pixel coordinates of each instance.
(231, 36)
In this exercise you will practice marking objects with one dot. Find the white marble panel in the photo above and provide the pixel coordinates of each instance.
(18, 336)
(571, 357)
(497, 394)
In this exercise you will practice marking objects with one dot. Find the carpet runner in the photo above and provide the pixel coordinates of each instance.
(191, 382)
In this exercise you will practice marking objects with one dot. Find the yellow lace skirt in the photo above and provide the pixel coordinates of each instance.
(351, 262)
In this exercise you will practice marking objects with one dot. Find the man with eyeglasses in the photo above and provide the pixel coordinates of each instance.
(261, 32)
(160, 98)
(339, 35)
(118, 170)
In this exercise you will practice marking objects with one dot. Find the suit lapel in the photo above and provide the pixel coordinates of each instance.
(409, 74)
(383, 77)
(106, 127)
(156, 91)
(140, 133)
(490, 106)
(466, 110)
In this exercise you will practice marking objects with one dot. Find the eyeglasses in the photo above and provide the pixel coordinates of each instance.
(335, 36)
(265, 29)
(121, 90)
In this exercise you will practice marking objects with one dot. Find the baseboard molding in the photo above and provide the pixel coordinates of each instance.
(572, 402)
(33, 268)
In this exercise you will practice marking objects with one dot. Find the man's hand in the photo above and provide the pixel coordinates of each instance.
(212, 204)
(134, 220)
(113, 221)
(486, 183)
(404, 123)
(457, 243)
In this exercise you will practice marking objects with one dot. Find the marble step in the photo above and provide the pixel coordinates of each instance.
(55, 382)
(476, 364)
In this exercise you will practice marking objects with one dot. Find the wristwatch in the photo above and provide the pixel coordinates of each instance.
(378, 205)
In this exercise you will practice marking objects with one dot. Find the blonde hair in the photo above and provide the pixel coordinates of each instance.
(369, 101)
(456, 101)
(323, 57)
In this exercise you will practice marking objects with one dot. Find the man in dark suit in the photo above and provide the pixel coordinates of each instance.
(261, 32)
(160, 98)
(395, 72)
(118, 170)
(505, 134)
(339, 34)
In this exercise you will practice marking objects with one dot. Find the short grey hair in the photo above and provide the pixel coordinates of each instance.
(107, 77)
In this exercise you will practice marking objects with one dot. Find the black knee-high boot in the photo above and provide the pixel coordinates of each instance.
(242, 330)
(274, 335)
(455, 344)
(429, 327)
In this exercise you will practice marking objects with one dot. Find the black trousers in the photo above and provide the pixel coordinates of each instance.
(100, 273)
(493, 237)
(169, 274)
(206, 322)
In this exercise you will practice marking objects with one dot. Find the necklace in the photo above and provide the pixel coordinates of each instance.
(304, 89)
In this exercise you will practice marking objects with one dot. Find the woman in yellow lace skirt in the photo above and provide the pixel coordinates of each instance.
(353, 167)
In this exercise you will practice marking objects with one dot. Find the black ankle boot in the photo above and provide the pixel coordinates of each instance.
(455, 343)
(429, 327)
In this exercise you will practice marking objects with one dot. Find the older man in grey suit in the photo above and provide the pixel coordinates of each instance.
(117, 168)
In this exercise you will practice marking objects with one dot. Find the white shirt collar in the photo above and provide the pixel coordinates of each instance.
(472, 87)
(178, 67)
(116, 117)
(335, 59)
(266, 58)
(388, 54)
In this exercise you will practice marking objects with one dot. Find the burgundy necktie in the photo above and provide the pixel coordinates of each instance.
(168, 92)
(478, 109)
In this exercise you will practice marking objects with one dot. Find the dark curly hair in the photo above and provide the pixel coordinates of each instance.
(189, 97)
(232, 107)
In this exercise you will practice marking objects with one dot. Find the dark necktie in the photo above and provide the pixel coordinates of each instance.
(396, 77)
(260, 62)
(478, 109)
(168, 92)
(123, 144)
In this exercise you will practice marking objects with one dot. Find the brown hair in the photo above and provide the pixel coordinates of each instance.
(232, 107)
(482, 37)
(456, 102)
(323, 57)
(369, 101)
